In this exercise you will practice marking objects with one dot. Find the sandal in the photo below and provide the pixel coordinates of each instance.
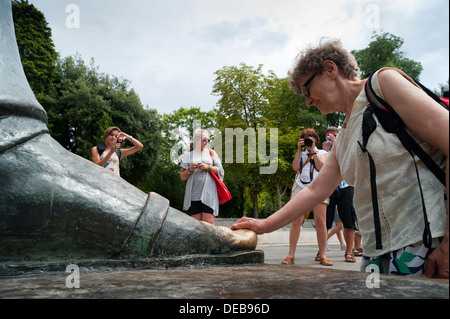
(288, 261)
(357, 252)
(317, 257)
(350, 258)
(326, 262)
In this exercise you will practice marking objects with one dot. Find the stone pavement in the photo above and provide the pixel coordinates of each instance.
(305, 254)
(304, 280)
(233, 282)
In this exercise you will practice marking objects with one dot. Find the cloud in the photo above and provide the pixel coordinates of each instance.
(248, 33)
(170, 49)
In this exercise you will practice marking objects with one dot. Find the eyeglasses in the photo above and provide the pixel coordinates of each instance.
(206, 139)
(305, 89)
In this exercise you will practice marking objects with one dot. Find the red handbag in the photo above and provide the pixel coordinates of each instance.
(222, 191)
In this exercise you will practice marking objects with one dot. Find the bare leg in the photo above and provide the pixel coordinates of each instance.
(320, 212)
(209, 218)
(294, 235)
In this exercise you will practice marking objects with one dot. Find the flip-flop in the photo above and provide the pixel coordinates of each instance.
(288, 261)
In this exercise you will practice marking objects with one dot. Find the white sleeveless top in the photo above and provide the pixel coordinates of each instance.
(113, 163)
(400, 204)
(304, 178)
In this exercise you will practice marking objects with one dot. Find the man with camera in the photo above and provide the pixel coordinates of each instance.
(308, 164)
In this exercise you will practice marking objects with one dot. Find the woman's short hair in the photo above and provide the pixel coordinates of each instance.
(109, 130)
(310, 132)
(311, 61)
(331, 129)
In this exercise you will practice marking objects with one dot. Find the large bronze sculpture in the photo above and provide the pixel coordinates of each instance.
(58, 207)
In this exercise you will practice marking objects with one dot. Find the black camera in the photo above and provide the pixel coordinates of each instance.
(309, 141)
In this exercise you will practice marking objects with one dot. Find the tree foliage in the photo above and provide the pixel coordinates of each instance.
(85, 102)
(384, 51)
(36, 47)
(177, 129)
(250, 99)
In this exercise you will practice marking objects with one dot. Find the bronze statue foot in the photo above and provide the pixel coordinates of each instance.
(57, 206)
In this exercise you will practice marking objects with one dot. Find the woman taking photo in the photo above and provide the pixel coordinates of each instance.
(328, 77)
(200, 198)
(308, 164)
(108, 154)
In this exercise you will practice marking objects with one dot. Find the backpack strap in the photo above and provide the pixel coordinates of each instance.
(302, 165)
(432, 95)
(101, 147)
(311, 169)
(392, 123)
(369, 126)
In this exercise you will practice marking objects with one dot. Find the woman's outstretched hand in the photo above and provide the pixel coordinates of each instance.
(256, 225)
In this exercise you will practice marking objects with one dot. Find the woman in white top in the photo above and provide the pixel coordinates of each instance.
(328, 77)
(106, 154)
(308, 164)
(200, 199)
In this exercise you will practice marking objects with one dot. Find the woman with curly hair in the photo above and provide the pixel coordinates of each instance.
(328, 77)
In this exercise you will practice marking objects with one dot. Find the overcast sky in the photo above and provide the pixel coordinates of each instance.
(170, 49)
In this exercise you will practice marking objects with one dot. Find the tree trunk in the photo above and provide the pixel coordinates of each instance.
(278, 193)
(255, 204)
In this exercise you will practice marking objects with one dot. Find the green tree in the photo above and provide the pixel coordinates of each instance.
(36, 48)
(177, 130)
(80, 101)
(385, 51)
(85, 102)
(243, 96)
(243, 101)
(289, 113)
(77, 110)
(250, 99)
(186, 119)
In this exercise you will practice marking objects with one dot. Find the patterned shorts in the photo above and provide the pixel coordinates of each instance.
(408, 261)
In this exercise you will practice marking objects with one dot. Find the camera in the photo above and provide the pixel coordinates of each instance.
(120, 140)
(329, 140)
(309, 141)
